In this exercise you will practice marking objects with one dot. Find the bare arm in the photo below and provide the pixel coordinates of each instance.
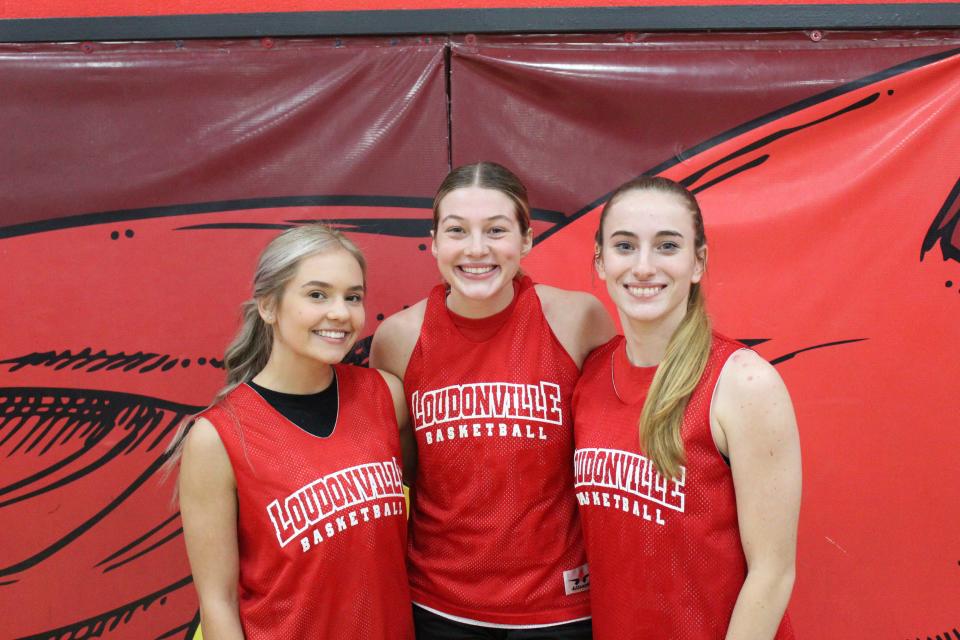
(393, 344)
(758, 430)
(578, 319)
(208, 506)
(395, 339)
(408, 446)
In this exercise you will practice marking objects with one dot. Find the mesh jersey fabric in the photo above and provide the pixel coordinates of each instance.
(665, 556)
(321, 521)
(494, 523)
(480, 329)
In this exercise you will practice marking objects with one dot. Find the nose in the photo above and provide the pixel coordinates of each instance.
(643, 267)
(338, 309)
(477, 245)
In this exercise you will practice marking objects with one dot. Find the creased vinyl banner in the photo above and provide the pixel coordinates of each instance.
(140, 181)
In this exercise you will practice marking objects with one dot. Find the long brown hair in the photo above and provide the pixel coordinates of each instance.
(687, 351)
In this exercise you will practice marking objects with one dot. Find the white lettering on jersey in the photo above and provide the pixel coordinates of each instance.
(647, 492)
(348, 492)
(487, 410)
(504, 400)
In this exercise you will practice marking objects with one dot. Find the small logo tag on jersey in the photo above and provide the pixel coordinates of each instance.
(576, 580)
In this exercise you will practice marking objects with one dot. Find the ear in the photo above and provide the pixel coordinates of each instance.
(433, 243)
(701, 267)
(598, 262)
(527, 242)
(266, 308)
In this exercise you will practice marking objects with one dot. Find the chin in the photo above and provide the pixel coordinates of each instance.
(330, 356)
(643, 314)
(479, 291)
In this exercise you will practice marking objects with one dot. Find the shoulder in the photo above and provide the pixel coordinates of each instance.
(751, 396)
(578, 319)
(408, 320)
(394, 384)
(599, 358)
(206, 473)
(746, 374)
(553, 298)
(203, 443)
(578, 306)
(395, 338)
(202, 433)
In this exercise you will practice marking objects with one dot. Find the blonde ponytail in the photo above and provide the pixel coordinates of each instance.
(676, 378)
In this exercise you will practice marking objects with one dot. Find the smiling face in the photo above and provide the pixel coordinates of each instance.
(320, 314)
(478, 245)
(649, 257)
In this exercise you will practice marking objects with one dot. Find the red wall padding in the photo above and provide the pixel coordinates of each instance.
(141, 179)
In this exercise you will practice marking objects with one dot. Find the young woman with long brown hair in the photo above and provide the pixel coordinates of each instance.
(687, 462)
(489, 361)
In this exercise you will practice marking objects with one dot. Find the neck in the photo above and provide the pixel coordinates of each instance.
(472, 308)
(294, 375)
(647, 341)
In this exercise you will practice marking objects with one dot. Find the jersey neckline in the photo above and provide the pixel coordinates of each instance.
(480, 330)
(285, 419)
(630, 383)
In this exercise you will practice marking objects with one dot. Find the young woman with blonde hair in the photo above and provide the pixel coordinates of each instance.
(489, 361)
(687, 462)
(290, 485)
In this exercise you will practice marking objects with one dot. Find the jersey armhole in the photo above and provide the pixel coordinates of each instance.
(553, 334)
(222, 416)
(416, 356)
(387, 403)
(713, 397)
(417, 349)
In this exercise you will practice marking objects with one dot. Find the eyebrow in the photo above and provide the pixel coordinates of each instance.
(665, 233)
(327, 285)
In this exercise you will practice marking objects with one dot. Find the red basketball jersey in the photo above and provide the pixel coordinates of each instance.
(494, 536)
(665, 555)
(321, 521)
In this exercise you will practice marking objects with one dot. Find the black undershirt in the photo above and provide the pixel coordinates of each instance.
(315, 413)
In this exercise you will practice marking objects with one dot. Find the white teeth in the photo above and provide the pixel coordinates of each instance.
(329, 333)
(478, 270)
(644, 292)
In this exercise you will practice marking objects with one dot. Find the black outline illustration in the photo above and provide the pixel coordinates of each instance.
(944, 229)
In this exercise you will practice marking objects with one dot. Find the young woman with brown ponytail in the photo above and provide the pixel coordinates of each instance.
(687, 462)
(290, 485)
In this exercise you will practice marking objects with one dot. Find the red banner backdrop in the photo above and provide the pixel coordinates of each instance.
(142, 179)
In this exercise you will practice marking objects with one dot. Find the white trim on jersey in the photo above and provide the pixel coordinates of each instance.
(492, 625)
